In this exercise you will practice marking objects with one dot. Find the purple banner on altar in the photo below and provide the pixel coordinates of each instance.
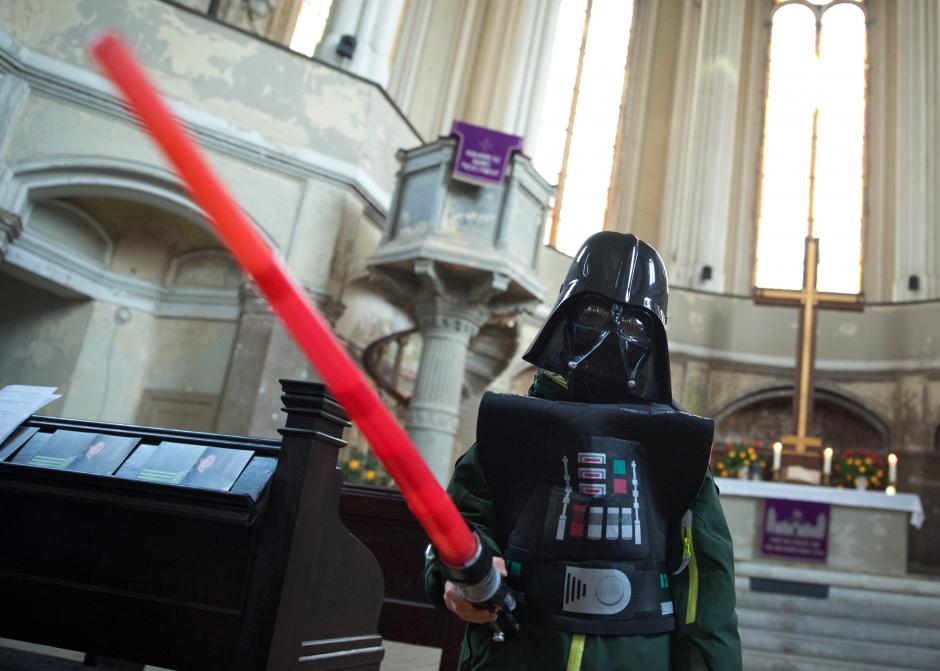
(482, 154)
(796, 530)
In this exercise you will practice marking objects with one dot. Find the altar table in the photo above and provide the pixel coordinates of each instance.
(867, 529)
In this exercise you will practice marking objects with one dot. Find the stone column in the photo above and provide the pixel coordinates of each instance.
(491, 64)
(374, 24)
(698, 192)
(917, 241)
(628, 164)
(447, 325)
(506, 87)
(529, 93)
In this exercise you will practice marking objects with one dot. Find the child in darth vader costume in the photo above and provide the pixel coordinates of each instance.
(594, 491)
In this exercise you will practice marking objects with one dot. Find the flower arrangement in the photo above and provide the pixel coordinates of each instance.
(362, 468)
(851, 465)
(740, 456)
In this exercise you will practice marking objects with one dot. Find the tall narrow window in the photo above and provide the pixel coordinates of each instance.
(575, 147)
(813, 153)
(311, 21)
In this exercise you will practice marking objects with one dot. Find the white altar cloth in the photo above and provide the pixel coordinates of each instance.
(855, 498)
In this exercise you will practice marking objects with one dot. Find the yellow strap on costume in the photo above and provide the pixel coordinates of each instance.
(575, 653)
(689, 551)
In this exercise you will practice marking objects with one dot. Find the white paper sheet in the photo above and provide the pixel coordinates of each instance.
(18, 402)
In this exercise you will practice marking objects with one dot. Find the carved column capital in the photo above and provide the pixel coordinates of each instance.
(438, 313)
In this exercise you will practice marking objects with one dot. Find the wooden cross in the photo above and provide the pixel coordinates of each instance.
(809, 300)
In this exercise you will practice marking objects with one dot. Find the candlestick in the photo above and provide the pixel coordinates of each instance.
(891, 490)
(827, 461)
(778, 451)
(892, 469)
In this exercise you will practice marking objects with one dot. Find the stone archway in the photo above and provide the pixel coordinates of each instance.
(766, 414)
(90, 176)
(134, 257)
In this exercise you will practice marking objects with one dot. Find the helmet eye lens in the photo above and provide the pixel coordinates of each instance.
(633, 328)
(593, 312)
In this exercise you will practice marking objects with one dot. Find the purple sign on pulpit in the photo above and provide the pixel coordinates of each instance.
(796, 530)
(482, 154)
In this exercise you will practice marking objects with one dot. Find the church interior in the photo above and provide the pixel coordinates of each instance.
(782, 156)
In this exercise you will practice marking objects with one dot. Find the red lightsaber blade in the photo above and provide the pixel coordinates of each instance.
(434, 510)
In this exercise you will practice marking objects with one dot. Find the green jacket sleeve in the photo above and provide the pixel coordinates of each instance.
(470, 493)
(707, 626)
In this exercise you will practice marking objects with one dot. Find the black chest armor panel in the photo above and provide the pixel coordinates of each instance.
(586, 496)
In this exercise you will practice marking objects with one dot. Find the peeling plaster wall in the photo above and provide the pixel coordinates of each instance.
(307, 150)
(882, 337)
(51, 130)
(40, 337)
(886, 358)
(103, 354)
(112, 366)
(242, 82)
(190, 355)
(327, 213)
(118, 360)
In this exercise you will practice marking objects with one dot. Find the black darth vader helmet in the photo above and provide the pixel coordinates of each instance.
(606, 334)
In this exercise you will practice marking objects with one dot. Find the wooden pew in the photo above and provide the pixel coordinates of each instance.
(381, 520)
(263, 576)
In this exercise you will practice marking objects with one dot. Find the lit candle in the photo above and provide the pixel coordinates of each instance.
(827, 461)
(893, 468)
(778, 450)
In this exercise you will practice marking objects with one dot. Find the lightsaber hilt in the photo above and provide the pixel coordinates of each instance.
(480, 583)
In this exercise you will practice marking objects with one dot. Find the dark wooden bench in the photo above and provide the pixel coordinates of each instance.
(264, 576)
(381, 520)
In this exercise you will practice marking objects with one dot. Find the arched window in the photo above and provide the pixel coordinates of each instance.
(575, 145)
(814, 145)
